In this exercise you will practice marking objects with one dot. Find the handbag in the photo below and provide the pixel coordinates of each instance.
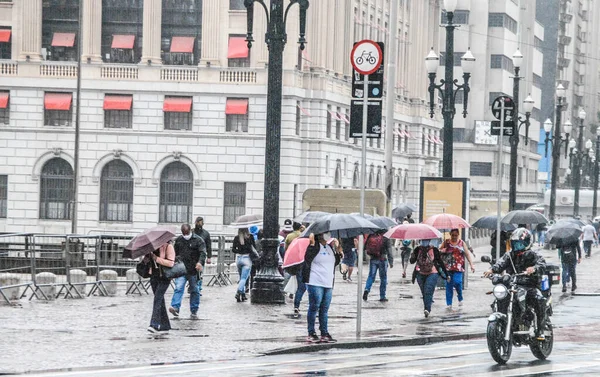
(143, 269)
(254, 256)
(178, 270)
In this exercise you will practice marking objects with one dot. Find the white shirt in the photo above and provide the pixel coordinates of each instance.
(589, 232)
(322, 268)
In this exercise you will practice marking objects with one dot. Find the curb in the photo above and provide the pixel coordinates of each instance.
(587, 294)
(415, 341)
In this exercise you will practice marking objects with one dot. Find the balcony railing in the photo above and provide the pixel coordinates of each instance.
(58, 69)
(237, 76)
(119, 72)
(8, 68)
(177, 73)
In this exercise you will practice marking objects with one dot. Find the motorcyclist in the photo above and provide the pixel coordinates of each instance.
(525, 260)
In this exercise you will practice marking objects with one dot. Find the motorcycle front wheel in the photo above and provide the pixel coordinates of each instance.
(499, 348)
(543, 349)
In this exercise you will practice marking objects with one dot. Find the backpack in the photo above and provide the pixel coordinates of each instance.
(569, 254)
(425, 262)
(374, 245)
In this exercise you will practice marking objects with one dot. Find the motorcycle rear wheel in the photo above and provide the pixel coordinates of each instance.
(543, 349)
(499, 348)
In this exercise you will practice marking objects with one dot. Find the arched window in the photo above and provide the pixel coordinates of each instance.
(378, 182)
(338, 175)
(405, 185)
(371, 177)
(176, 193)
(355, 177)
(116, 192)
(56, 190)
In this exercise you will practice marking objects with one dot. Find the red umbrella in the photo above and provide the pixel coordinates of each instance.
(295, 252)
(446, 221)
(413, 232)
(148, 241)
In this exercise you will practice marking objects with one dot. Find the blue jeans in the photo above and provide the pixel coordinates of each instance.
(427, 285)
(382, 266)
(319, 299)
(194, 292)
(244, 265)
(300, 291)
(456, 282)
(569, 273)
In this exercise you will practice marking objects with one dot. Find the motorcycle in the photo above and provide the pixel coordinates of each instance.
(513, 322)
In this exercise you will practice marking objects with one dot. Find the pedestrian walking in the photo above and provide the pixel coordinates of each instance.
(163, 256)
(293, 235)
(570, 256)
(454, 252)
(540, 231)
(287, 228)
(318, 273)
(205, 235)
(428, 267)
(191, 249)
(405, 251)
(243, 245)
(504, 241)
(409, 219)
(588, 236)
(349, 246)
(379, 249)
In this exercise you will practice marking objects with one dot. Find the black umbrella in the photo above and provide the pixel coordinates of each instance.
(383, 222)
(402, 210)
(571, 221)
(310, 216)
(524, 217)
(342, 226)
(563, 233)
(491, 222)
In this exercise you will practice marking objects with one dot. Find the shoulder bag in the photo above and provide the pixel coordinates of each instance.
(178, 270)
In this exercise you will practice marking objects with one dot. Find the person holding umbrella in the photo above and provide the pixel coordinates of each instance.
(318, 274)
(243, 245)
(428, 266)
(454, 252)
(164, 256)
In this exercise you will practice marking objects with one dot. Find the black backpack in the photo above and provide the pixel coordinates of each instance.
(569, 254)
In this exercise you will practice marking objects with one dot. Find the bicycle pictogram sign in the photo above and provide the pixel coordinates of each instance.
(366, 57)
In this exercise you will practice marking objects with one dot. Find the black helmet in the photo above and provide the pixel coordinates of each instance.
(521, 240)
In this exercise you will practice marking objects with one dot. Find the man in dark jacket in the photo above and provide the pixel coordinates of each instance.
(192, 251)
(379, 249)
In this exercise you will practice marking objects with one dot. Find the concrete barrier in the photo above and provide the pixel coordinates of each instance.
(109, 280)
(78, 278)
(10, 279)
(49, 278)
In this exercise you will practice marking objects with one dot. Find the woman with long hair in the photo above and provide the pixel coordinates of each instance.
(243, 245)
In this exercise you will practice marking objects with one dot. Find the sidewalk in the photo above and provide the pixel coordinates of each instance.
(110, 331)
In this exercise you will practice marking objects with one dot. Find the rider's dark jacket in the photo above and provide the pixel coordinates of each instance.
(522, 260)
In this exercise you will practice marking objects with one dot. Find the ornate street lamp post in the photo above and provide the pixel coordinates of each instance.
(267, 283)
(446, 86)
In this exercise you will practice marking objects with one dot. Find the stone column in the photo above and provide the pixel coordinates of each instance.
(92, 31)
(152, 32)
(31, 30)
(211, 27)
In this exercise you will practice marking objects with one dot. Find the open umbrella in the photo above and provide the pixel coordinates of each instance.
(402, 210)
(246, 221)
(446, 221)
(383, 222)
(571, 220)
(563, 233)
(524, 217)
(295, 252)
(148, 241)
(310, 216)
(366, 215)
(413, 232)
(491, 222)
(342, 226)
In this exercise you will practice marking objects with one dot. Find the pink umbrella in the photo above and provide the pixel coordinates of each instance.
(413, 232)
(295, 253)
(446, 221)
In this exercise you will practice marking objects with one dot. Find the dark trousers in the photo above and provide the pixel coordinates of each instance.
(587, 247)
(160, 318)
(536, 300)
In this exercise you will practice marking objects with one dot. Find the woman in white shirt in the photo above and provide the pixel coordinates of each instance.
(318, 274)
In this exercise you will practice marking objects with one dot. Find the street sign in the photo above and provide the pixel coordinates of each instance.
(374, 111)
(375, 80)
(508, 129)
(509, 107)
(366, 57)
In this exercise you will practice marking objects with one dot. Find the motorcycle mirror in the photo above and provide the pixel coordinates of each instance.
(486, 259)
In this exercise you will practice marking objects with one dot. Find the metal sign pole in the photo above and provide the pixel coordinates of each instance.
(500, 173)
(361, 238)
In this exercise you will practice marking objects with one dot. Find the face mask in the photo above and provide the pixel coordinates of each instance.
(187, 237)
(326, 236)
(425, 243)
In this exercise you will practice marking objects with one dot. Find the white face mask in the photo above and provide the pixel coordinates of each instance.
(326, 236)
(188, 237)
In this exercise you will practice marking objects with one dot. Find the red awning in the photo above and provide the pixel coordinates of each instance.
(63, 39)
(238, 48)
(304, 111)
(4, 35)
(182, 44)
(114, 102)
(438, 141)
(178, 104)
(58, 101)
(236, 107)
(3, 100)
(344, 118)
(123, 41)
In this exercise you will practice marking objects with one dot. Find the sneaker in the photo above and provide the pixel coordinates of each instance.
(174, 311)
(365, 295)
(313, 338)
(460, 303)
(152, 330)
(350, 280)
(291, 296)
(296, 313)
(449, 308)
(194, 316)
(383, 299)
(426, 313)
(564, 288)
(326, 338)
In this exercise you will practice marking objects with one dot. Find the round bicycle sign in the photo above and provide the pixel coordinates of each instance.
(366, 57)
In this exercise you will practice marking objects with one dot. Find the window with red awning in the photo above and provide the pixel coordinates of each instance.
(238, 48)
(182, 44)
(236, 106)
(117, 102)
(58, 101)
(123, 41)
(5, 35)
(63, 40)
(177, 104)
(3, 100)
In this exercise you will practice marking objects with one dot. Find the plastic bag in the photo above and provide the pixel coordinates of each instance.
(292, 286)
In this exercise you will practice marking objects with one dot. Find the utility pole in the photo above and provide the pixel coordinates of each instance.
(390, 124)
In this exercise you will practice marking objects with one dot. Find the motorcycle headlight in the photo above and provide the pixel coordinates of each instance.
(500, 292)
